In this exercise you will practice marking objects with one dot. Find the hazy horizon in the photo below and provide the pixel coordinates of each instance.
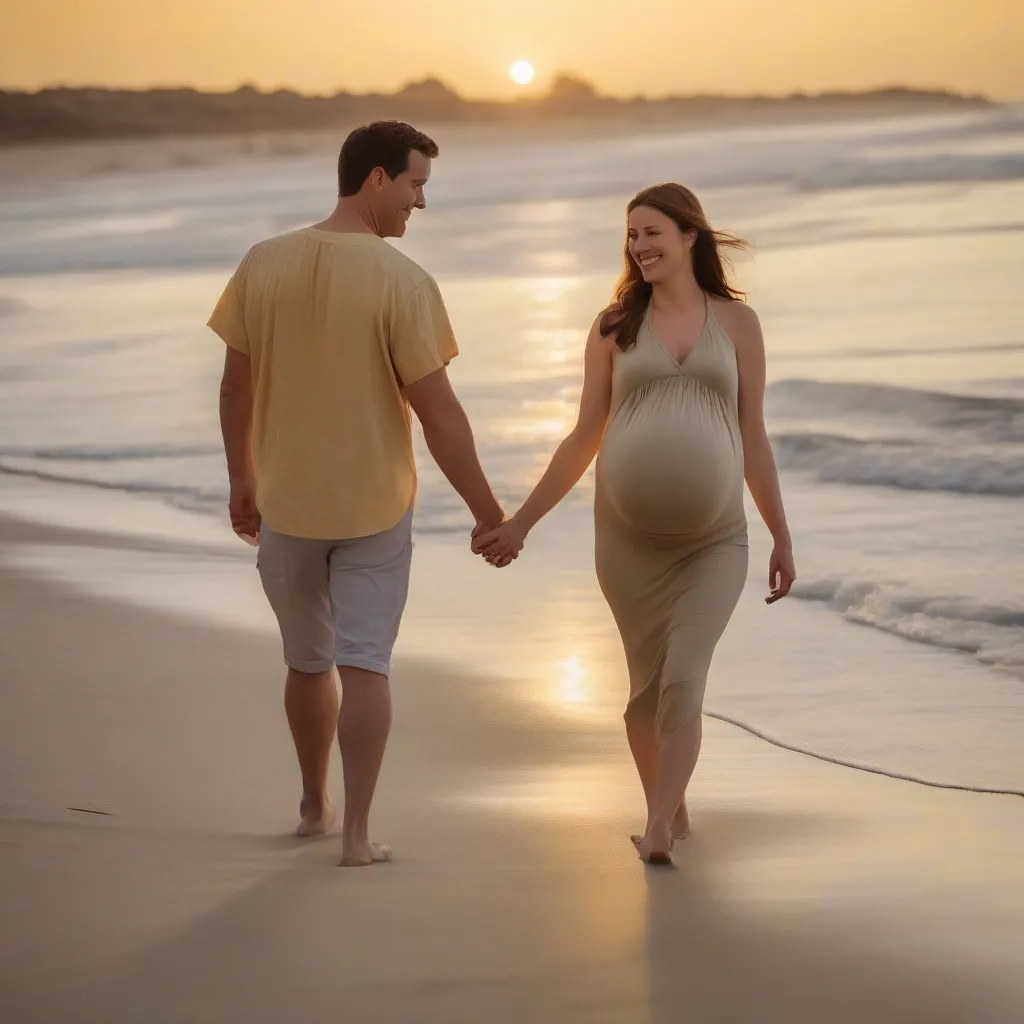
(535, 93)
(756, 47)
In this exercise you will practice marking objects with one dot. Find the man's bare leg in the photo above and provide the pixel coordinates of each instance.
(364, 721)
(311, 704)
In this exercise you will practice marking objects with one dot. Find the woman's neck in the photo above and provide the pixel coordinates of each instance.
(680, 294)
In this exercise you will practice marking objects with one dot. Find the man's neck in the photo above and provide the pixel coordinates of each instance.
(351, 216)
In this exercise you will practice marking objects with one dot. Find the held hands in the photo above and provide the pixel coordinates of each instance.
(781, 573)
(499, 546)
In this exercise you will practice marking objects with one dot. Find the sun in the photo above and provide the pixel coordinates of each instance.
(521, 72)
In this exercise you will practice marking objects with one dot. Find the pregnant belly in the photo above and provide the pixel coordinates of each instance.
(672, 462)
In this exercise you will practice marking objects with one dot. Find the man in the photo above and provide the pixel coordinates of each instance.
(332, 335)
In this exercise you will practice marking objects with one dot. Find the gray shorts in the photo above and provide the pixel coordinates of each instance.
(338, 602)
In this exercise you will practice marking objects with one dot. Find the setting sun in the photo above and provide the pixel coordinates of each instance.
(521, 72)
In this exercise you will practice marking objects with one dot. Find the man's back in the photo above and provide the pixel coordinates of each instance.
(335, 325)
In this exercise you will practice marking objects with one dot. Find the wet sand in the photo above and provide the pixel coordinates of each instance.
(148, 871)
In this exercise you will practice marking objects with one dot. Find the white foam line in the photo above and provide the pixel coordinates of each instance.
(854, 764)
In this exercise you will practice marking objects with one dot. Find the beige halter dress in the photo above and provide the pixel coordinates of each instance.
(670, 529)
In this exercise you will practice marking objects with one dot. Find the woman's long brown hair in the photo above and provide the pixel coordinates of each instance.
(632, 293)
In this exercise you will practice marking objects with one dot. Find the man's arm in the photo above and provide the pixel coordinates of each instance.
(450, 440)
(236, 430)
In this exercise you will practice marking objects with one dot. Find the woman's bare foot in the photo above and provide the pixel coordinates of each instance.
(681, 822)
(363, 855)
(680, 829)
(656, 846)
(312, 823)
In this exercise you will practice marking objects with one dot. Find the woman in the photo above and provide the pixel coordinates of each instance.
(673, 397)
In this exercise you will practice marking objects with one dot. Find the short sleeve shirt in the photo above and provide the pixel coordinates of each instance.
(335, 326)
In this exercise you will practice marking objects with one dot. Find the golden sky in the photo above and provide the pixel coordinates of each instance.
(653, 47)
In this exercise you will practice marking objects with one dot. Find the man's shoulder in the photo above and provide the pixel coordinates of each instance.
(408, 273)
(275, 243)
(265, 252)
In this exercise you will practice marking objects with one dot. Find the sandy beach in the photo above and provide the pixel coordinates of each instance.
(147, 871)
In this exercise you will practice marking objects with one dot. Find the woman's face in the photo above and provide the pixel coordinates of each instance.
(657, 245)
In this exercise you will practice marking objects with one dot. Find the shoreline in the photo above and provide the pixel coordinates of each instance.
(836, 691)
(21, 530)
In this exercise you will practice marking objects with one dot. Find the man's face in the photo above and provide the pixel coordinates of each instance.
(399, 197)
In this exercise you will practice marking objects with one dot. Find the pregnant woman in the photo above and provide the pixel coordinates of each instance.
(672, 405)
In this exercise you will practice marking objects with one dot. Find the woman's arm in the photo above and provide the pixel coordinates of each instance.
(761, 473)
(571, 458)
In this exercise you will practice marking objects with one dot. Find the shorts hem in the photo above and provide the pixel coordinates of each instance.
(380, 668)
(310, 667)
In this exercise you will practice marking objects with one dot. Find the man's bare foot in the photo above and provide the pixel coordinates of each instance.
(656, 846)
(314, 824)
(363, 855)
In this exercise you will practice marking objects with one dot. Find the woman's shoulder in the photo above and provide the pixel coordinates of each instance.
(738, 319)
(735, 311)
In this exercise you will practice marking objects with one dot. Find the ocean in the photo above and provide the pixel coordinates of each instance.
(889, 277)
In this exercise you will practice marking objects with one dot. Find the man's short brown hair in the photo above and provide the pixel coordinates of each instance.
(385, 144)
